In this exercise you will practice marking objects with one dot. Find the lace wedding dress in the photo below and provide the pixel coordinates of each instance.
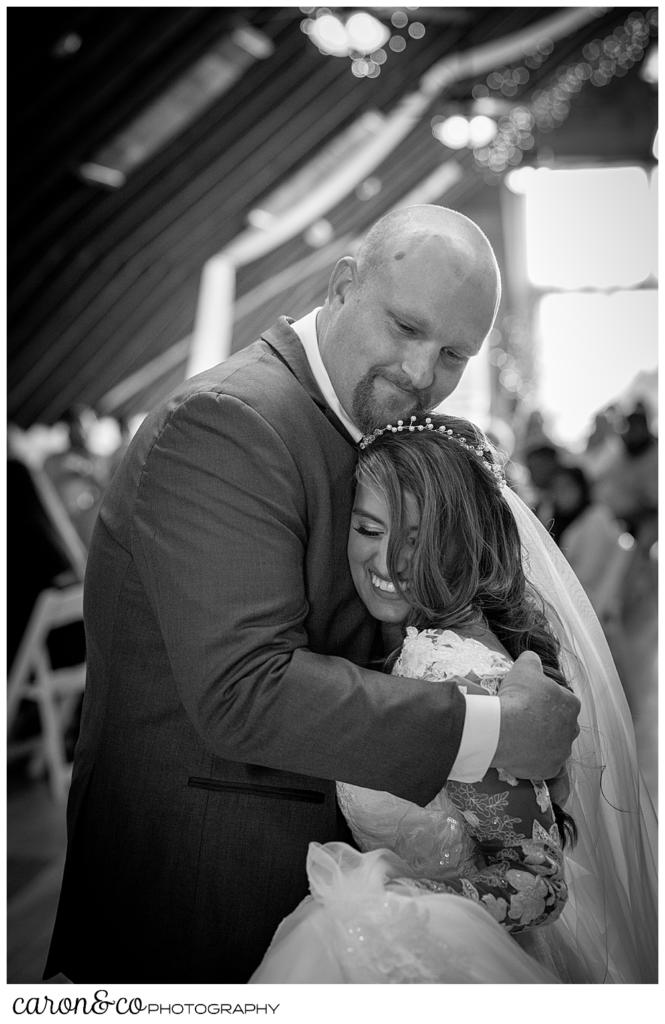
(438, 893)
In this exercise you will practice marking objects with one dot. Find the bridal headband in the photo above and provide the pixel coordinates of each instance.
(482, 451)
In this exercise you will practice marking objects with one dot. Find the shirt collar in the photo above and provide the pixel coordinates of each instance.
(305, 328)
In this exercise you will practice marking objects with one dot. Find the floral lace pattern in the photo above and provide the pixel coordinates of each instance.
(485, 813)
(438, 654)
(494, 842)
(522, 888)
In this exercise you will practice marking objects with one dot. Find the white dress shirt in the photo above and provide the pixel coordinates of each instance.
(480, 735)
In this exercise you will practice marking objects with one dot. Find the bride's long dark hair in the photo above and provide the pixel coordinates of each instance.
(466, 567)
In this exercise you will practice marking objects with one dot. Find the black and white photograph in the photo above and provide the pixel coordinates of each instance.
(331, 508)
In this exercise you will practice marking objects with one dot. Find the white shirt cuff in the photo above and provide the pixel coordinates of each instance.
(480, 738)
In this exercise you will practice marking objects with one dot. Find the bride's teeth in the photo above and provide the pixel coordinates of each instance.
(381, 584)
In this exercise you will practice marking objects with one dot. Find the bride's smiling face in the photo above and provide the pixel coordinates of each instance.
(368, 553)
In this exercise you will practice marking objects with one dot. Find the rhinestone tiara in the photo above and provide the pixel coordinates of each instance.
(481, 451)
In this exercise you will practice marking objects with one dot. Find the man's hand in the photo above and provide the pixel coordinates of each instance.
(538, 722)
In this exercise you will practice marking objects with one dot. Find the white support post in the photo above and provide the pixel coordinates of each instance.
(213, 328)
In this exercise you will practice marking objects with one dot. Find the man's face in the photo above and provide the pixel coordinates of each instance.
(398, 343)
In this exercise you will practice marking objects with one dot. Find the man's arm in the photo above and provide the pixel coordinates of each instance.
(220, 541)
(528, 729)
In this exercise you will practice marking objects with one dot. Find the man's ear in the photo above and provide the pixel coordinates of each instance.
(343, 277)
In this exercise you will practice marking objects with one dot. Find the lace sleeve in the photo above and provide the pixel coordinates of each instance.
(438, 654)
(520, 878)
(522, 883)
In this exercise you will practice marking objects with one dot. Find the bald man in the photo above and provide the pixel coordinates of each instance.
(228, 680)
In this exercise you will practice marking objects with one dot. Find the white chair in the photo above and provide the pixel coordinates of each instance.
(54, 691)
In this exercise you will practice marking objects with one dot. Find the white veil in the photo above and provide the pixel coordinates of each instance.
(611, 916)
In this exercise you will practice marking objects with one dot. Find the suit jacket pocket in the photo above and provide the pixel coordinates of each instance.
(310, 796)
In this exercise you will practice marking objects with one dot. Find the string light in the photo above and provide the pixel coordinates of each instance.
(459, 131)
(600, 61)
(360, 36)
(67, 45)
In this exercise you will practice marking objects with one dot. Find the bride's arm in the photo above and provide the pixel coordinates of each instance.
(523, 883)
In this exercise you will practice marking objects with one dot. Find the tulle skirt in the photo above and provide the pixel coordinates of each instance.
(365, 923)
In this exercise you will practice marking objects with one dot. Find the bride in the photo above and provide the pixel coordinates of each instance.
(492, 882)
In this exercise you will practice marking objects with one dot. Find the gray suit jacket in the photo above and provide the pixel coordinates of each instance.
(220, 704)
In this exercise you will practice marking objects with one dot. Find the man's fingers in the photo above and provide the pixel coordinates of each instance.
(530, 660)
(538, 721)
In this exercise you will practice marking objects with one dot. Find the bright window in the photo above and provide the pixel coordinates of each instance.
(590, 228)
(591, 257)
(592, 346)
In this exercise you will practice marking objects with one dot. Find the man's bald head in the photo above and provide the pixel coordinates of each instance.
(415, 232)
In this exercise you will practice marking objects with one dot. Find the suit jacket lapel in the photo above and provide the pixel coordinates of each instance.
(286, 344)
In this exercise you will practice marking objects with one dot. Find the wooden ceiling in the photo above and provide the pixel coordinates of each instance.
(103, 283)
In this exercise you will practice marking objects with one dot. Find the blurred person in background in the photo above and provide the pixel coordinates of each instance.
(630, 488)
(603, 445)
(629, 485)
(542, 460)
(588, 534)
(77, 473)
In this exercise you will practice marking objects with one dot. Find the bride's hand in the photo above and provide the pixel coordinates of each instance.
(538, 722)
